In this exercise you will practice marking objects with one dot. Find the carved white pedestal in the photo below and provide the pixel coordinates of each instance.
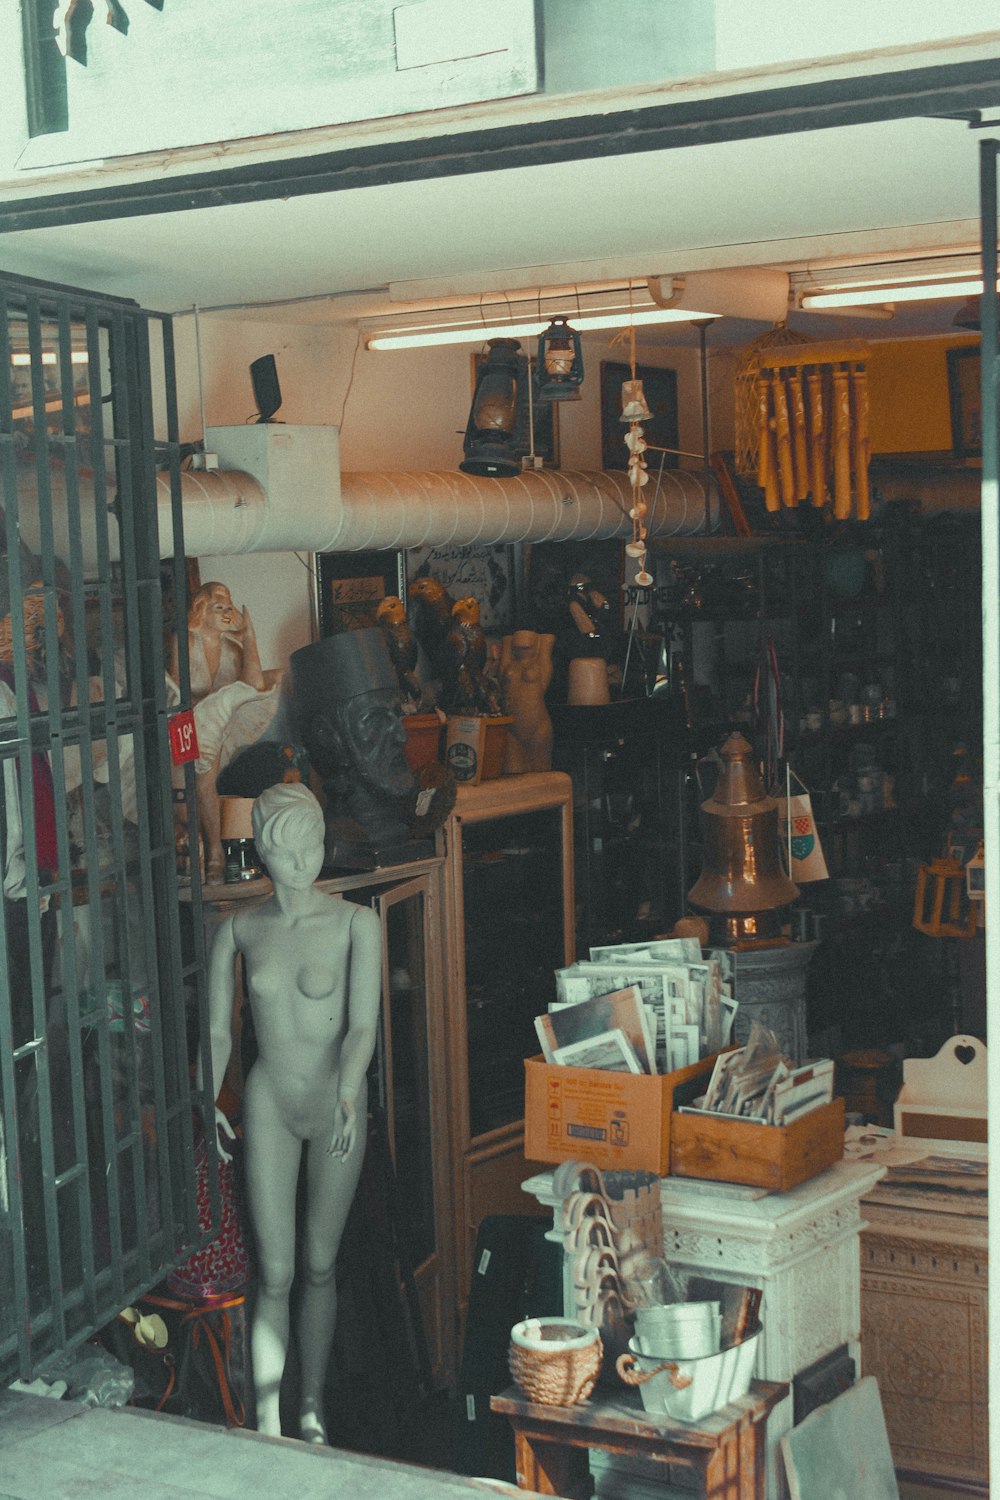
(801, 1247)
(924, 1275)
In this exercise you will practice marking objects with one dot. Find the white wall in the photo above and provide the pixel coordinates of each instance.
(189, 73)
(753, 33)
(589, 44)
(395, 410)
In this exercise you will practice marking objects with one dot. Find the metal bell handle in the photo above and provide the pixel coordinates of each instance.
(629, 1372)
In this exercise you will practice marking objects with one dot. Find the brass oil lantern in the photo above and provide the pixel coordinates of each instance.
(743, 886)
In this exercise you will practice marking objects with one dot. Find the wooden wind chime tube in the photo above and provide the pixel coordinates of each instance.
(812, 412)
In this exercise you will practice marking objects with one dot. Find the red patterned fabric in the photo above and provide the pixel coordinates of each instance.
(223, 1266)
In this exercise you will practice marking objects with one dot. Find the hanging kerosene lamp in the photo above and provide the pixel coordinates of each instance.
(490, 446)
(559, 362)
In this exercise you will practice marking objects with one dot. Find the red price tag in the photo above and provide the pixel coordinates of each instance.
(183, 738)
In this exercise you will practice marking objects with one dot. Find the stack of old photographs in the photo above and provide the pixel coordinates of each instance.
(611, 1031)
(758, 1084)
(685, 994)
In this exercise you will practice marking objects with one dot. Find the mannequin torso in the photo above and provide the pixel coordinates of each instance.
(299, 1007)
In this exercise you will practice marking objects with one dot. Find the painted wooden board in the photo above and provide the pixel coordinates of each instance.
(186, 73)
(955, 1075)
(841, 1451)
(944, 1097)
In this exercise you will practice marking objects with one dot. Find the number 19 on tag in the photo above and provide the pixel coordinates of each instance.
(183, 738)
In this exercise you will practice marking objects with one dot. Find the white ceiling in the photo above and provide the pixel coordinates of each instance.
(798, 200)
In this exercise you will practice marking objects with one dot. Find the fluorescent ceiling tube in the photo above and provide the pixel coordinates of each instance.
(869, 295)
(434, 333)
(77, 357)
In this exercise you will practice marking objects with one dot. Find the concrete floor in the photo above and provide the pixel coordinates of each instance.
(60, 1450)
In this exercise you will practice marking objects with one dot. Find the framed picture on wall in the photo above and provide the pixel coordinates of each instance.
(660, 389)
(487, 573)
(350, 585)
(965, 401)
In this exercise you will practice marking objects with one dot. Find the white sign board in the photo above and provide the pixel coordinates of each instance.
(192, 73)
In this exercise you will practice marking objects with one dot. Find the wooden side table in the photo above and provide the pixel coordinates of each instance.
(725, 1450)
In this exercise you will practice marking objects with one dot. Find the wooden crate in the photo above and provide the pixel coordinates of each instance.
(614, 1120)
(777, 1157)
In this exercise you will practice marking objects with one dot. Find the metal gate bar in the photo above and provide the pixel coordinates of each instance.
(97, 1159)
(989, 158)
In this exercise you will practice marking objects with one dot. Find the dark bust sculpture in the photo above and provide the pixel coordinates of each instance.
(345, 698)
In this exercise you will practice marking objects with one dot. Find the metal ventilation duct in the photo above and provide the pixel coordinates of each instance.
(281, 490)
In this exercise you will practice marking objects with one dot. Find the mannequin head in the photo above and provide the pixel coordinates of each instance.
(289, 829)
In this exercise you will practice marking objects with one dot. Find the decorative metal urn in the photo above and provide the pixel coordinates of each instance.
(743, 886)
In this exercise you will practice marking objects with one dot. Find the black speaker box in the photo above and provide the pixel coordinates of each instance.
(266, 390)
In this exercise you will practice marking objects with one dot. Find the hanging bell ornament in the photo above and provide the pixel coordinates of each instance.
(644, 579)
(634, 408)
(635, 549)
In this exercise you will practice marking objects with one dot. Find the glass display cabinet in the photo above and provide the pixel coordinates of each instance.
(631, 762)
(509, 878)
(412, 1093)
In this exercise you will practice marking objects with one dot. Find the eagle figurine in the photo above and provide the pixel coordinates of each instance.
(465, 686)
(390, 616)
(432, 618)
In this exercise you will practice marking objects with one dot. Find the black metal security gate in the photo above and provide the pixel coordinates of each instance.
(101, 983)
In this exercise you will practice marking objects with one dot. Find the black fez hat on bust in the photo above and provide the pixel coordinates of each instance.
(340, 667)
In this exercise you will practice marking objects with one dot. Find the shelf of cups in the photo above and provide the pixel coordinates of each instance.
(862, 604)
(845, 822)
(719, 614)
(846, 734)
(865, 661)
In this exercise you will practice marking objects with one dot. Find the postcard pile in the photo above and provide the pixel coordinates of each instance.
(640, 1007)
(757, 1083)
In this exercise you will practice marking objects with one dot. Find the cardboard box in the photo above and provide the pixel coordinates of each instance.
(777, 1157)
(475, 745)
(615, 1120)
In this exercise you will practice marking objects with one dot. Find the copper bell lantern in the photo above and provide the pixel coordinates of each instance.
(743, 886)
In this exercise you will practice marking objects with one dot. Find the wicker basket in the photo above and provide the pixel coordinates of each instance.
(555, 1361)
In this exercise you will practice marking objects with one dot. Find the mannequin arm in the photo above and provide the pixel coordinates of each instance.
(252, 672)
(221, 985)
(364, 1002)
(222, 1124)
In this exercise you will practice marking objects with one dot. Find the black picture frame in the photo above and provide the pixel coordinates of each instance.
(349, 586)
(660, 390)
(965, 401)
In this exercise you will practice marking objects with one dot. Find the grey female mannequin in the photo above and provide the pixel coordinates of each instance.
(313, 967)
